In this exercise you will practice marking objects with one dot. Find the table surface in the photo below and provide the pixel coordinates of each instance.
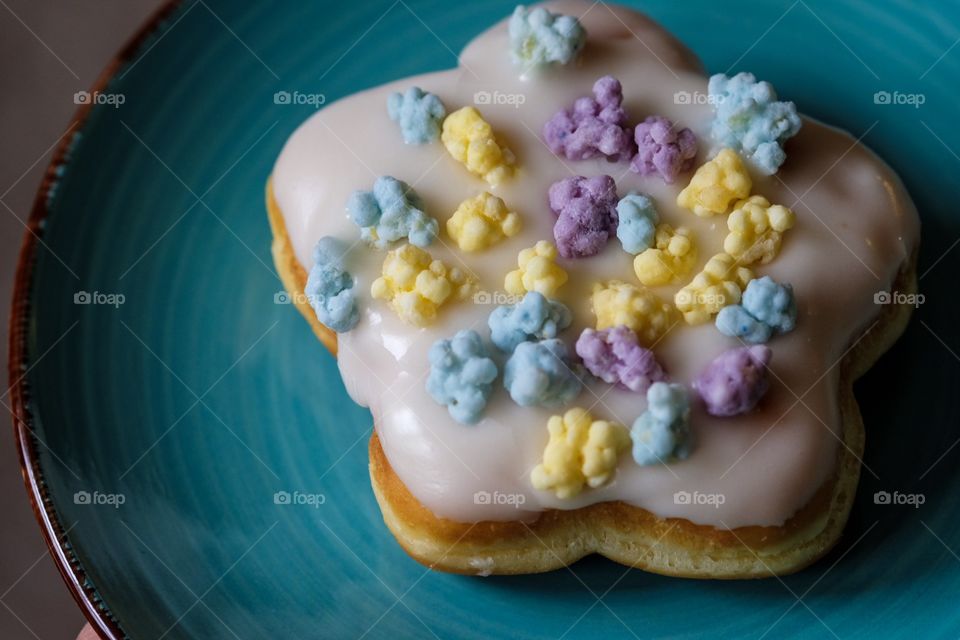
(48, 51)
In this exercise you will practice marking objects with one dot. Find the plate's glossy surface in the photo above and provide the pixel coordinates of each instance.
(174, 415)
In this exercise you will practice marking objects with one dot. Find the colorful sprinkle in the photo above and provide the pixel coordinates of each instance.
(717, 286)
(617, 303)
(539, 37)
(541, 374)
(418, 113)
(662, 433)
(586, 210)
(756, 230)
(735, 381)
(481, 222)
(637, 222)
(615, 356)
(461, 375)
(669, 259)
(538, 271)
(716, 185)
(594, 127)
(766, 308)
(470, 140)
(392, 211)
(581, 452)
(533, 318)
(748, 118)
(663, 149)
(330, 287)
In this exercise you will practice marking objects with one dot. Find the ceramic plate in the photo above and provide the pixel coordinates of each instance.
(169, 402)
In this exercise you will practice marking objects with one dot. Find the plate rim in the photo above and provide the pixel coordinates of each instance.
(95, 610)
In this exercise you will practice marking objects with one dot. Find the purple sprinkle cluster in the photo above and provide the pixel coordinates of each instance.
(615, 356)
(663, 149)
(586, 210)
(735, 381)
(595, 126)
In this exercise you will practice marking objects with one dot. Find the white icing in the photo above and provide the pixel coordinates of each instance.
(767, 464)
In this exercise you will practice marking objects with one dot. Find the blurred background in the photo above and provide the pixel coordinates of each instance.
(48, 51)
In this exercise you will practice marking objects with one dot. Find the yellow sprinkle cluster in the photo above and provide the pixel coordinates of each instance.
(718, 285)
(670, 258)
(416, 285)
(538, 271)
(581, 451)
(481, 222)
(716, 185)
(756, 229)
(470, 140)
(619, 303)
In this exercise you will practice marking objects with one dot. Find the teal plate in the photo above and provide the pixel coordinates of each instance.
(161, 423)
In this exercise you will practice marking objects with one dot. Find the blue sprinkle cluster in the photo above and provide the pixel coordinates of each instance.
(418, 113)
(542, 374)
(461, 375)
(766, 308)
(539, 37)
(748, 118)
(638, 222)
(662, 432)
(330, 287)
(392, 211)
(533, 318)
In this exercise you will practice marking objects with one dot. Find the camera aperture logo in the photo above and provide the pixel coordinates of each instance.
(712, 499)
(899, 499)
(915, 100)
(299, 498)
(98, 97)
(899, 297)
(296, 98)
(98, 498)
(498, 498)
(99, 298)
(514, 100)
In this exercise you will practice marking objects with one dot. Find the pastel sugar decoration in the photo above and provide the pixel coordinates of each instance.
(537, 271)
(662, 433)
(418, 113)
(392, 211)
(615, 356)
(716, 185)
(586, 210)
(539, 37)
(756, 230)
(637, 222)
(461, 375)
(766, 308)
(471, 141)
(594, 127)
(617, 303)
(330, 288)
(581, 452)
(734, 382)
(717, 286)
(669, 259)
(415, 285)
(541, 374)
(533, 318)
(482, 221)
(748, 118)
(663, 149)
